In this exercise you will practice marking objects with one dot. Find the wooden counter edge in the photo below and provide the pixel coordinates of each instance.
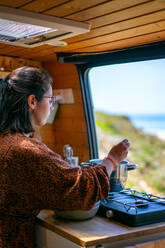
(132, 233)
(57, 230)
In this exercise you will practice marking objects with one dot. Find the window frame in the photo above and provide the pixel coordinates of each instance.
(87, 61)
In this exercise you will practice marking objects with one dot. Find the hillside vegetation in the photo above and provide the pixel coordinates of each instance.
(148, 151)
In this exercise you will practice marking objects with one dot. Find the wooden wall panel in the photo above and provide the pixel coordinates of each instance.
(4, 73)
(9, 50)
(69, 126)
(10, 63)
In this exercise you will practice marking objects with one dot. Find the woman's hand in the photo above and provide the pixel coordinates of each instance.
(116, 155)
(119, 152)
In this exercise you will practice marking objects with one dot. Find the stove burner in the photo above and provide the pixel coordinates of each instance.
(141, 203)
(134, 208)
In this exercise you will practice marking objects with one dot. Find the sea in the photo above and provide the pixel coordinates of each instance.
(150, 123)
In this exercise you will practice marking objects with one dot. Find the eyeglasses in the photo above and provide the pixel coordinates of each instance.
(52, 100)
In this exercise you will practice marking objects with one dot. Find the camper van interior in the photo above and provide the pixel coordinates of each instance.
(82, 44)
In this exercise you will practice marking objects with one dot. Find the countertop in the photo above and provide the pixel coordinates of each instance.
(96, 230)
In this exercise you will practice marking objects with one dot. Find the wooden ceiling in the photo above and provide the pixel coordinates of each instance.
(115, 24)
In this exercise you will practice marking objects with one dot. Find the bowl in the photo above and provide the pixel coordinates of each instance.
(78, 214)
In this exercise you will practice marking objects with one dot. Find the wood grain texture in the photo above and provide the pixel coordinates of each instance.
(29, 52)
(7, 49)
(116, 36)
(126, 14)
(120, 26)
(72, 7)
(97, 230)
(129, 42)
(3, 73)
(154, 244)
(40, 5)
(15, 3)
(104, 9)
(39, 53)
(69, 126)
(9, 63)
(116, 24)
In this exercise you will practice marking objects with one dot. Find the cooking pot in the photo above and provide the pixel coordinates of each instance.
(119, 176)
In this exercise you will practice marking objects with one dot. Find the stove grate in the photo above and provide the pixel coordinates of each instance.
(133, 200)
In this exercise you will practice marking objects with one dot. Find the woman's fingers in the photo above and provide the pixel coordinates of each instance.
(120, 151)
(126, 143)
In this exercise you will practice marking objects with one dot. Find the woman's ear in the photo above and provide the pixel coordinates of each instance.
(32, 102)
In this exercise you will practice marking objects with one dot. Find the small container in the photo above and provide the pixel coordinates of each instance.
(67, 151)
(74, 161)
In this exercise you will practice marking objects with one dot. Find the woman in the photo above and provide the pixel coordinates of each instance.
(32, 176)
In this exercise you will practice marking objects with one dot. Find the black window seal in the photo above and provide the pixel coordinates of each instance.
(88, 110)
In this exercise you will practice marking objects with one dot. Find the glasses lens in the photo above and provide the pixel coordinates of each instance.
(53, 100)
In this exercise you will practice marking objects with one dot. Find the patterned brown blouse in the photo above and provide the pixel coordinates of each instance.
(32, 178)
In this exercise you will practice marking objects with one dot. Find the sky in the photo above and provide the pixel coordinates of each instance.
(130, 88)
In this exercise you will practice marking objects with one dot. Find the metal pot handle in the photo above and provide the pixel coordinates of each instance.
(86, 165)
(132, 167)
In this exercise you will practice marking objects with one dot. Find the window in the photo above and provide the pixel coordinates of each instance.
(129, 102)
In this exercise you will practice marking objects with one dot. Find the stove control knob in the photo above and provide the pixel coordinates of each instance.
(109, 214)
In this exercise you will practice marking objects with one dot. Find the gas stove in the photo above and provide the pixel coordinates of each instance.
(133, 208)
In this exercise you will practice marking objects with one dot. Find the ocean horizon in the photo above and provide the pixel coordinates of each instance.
(149, 123)
(153, 124)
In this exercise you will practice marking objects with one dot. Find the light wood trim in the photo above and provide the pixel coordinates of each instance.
(72, 7)
(126, 14)
(103, 46)
(125, 34)
(111, 45)
(95, 231)
(123, 25)
(15, 3)
(42, 5)
(155, 244)
(104, 8)
(130, 42)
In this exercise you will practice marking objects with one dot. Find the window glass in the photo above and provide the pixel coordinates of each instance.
(129, 102)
